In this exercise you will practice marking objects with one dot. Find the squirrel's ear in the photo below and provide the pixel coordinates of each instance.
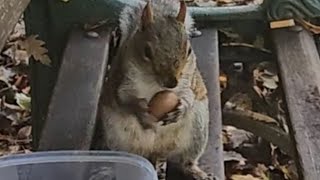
(147, 16)
(182, 12)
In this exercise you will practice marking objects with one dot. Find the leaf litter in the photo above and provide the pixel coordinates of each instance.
(15, 101)
(255, 87)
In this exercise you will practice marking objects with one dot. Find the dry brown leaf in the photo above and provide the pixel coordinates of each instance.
(260, 171)
(21, 56)
(24, 132)
(14, 149)
(34, 47)
(5, 74)
(311, 27)
(236, 137)
(289, 171)
(259, 42)
(234, 156)
(27, 151)
(258, 91)
(223, 81)
(226, 2)
(243, 177)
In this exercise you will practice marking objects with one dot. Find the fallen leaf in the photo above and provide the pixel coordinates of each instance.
(236, 137)
(311, 27)
(206, 4)
(5, 123)
(14, 149)
(226, 2)
(24, 132)
(5, 74)
(21, 56)
(261, 171)
(258, 91)
(26, 90)
(243, 177)
(270, 83)
(259, 42)
(23, 101)
(27, 151)
(34, 48)
(223, 79)
(233, 156)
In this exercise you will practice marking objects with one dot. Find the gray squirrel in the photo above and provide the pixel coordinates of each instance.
(154, 55)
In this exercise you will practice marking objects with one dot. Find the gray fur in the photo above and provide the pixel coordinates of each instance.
(130, 16)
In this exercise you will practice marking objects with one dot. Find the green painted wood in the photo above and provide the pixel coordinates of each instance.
(284, 9)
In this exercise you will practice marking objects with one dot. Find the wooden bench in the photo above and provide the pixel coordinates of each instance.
(65, 95)
(74, 102)
(299, 64)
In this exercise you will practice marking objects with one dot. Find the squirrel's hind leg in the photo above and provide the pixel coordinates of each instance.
(194, 170)
(188, 158)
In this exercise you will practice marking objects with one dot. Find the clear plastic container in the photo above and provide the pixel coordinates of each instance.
(76, 165)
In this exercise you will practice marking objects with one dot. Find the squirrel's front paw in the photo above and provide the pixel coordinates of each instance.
(147, 120)
(203, 177)
(198, 174)
(175, 115)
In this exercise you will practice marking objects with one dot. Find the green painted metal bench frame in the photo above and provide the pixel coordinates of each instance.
(54, 21)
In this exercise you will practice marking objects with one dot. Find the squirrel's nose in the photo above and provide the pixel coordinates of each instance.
(171, 83)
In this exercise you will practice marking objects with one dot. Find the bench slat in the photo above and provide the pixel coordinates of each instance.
(299, 65)
(74, 103)
(206, 49)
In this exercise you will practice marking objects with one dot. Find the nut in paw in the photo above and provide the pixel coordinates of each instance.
(162, 103)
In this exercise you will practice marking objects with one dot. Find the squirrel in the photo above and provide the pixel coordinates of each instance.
(155, 54)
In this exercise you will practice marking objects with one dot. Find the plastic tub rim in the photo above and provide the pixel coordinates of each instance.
(77, 156)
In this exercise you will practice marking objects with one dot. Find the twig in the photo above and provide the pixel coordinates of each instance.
(11, 140)
(256, 123)
(245, 45)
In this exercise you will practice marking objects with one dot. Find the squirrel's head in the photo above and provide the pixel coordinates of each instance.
(162, 44)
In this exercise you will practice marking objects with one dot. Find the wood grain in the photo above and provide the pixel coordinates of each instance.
(299, 64)
(74, 104)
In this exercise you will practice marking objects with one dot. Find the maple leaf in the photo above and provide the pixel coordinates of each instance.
(34, 47)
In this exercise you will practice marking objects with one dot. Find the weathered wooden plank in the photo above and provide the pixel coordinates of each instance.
(74, 103)
(318, 43)
(299, 64)
(10, 12)
(206, 49)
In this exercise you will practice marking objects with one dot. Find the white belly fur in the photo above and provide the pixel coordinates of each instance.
(126, 134)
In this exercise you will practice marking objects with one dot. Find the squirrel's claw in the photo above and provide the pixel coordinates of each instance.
(204, 178)
(198, 174)
(175, 115)
(146, 120)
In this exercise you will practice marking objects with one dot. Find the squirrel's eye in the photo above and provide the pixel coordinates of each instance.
(148, 52)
